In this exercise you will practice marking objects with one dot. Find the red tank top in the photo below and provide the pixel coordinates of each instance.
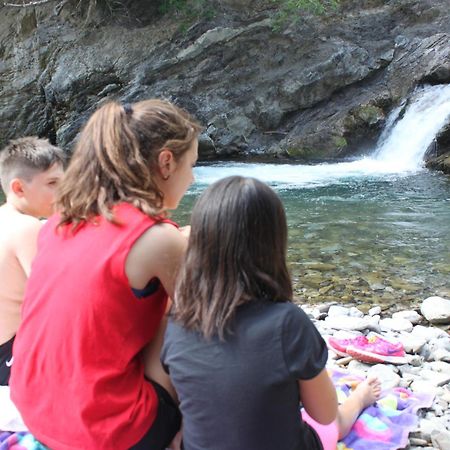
(77, 377)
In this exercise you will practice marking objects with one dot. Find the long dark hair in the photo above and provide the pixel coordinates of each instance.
(236, 254)
(116, 157)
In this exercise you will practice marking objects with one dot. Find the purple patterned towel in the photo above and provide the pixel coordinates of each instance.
(19, 441)
(383, 426)
(386, 424)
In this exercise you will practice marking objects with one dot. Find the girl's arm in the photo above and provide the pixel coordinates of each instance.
(157, 253)
(318, 396)
(152, 364)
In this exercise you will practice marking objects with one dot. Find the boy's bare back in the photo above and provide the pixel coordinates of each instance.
(30, 170)
(18, 237)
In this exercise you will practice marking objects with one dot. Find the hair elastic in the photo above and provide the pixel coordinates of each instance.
(128, 109)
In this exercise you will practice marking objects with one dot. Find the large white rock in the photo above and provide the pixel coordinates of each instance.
(412, 343)
(441, 355)
(435, 378)
(429, 333)
(438, 366)
(351, 323)
(386, 374)
(436, 309)
(413, 316)
(355, 312)
(414, 360)
(424, 386)
(441, 439)
(395, 325)
(374, 311)
(337, 310)
(358, 366)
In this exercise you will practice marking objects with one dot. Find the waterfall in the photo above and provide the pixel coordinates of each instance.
(405, 140)
(409, 131)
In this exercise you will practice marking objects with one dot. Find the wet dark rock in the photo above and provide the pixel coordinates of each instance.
(318, 88)
(439, 153)
(440, 163)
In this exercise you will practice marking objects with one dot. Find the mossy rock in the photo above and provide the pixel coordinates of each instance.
(301, 152)
(309, 153)
(340, 142)
(28, 23)
(370, 114)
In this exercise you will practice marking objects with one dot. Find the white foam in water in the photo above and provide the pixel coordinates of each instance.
(290, 175)
(400, 151)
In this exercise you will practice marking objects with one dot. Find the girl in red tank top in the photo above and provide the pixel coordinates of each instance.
(86, 372)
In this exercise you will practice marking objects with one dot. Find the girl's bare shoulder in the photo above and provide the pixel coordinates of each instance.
(157, 253)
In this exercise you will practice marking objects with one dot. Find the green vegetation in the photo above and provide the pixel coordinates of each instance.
(290, 11)
(293, 7)
(301, 152)
(190, 11)
(340, 142)
(370, 114)
(286, 11)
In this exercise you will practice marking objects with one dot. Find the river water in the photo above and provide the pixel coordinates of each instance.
(378, 238)
(370, 231)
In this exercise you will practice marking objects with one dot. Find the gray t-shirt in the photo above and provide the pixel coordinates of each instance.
(242, 394)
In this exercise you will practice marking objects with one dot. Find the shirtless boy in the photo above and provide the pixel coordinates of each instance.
(30, 169)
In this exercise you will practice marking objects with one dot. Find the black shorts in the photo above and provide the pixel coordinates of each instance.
(166, 425)
(6, 361)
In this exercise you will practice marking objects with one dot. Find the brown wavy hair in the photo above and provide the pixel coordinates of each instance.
(236, 254)
(116, 157)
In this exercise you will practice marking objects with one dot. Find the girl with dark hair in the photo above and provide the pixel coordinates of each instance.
(240, 354)
(93, 314)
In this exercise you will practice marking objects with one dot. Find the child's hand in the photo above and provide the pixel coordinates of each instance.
(185, 231)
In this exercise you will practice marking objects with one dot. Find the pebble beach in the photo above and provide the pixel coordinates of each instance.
(424, 333)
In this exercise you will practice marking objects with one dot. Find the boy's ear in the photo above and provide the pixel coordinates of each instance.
(166, 162)
(16, 186)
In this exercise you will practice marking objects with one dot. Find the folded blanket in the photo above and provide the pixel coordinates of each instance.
(386, 424)
(19, 441)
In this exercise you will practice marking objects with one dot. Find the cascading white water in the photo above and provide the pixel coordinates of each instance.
(408, 134)
(404, 144)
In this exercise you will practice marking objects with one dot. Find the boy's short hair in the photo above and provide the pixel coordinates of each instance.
(25, 157)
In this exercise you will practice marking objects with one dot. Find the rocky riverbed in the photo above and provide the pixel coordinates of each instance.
(424, 334)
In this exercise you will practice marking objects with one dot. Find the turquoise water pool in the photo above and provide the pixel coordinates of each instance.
(362, 237)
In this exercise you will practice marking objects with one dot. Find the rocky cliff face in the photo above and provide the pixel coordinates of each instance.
(319, 88)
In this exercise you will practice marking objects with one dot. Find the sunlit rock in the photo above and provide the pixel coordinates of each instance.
(395, 324)
(410, 315)
(436, 309)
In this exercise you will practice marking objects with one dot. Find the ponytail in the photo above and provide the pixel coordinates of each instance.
(116, 158)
